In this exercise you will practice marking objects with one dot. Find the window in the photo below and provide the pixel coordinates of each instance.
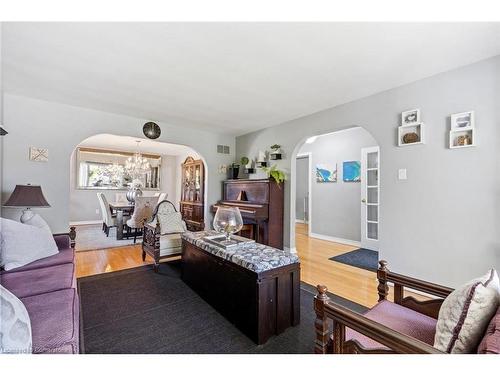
(105, 169)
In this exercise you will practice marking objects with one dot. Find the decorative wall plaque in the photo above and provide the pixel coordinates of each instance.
(39, 154)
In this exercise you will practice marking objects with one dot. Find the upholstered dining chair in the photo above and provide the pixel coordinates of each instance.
(108, 219)
(143, 211)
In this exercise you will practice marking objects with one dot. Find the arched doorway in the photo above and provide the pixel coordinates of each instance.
(335, 188)
(92, 169)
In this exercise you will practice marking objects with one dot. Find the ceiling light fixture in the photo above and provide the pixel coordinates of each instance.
(137, 165)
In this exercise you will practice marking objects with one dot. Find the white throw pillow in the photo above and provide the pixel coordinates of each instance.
(15, 325)
(37, 221)
(171, 223)
(465, 314)
(22, 244)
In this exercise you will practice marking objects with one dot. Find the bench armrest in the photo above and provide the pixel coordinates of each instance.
(429, 308)
(343, 317)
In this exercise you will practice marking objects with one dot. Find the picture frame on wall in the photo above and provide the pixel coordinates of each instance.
(463, 120)
(351, 171)
(326, 172)
(410, 117)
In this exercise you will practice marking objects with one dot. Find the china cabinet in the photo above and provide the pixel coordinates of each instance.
(192, 194)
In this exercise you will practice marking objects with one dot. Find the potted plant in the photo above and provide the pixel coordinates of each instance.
(276, 153)
(247, 163)
(234, 170)
(276, 174)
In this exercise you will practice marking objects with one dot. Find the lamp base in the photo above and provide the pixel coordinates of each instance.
(27, 215)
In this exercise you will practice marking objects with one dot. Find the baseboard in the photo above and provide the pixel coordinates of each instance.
(89, 222)
(335, 239)
(293, 250)
(300, 221)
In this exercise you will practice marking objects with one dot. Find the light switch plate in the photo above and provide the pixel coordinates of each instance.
(402, 174)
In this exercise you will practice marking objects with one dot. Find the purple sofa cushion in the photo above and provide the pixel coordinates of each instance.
(400, 319)
(54, 321)
(41, 280)
(490, 344)
(63, 257)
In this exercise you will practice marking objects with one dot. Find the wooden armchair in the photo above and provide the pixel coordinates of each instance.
(402, 326)
(157, 245)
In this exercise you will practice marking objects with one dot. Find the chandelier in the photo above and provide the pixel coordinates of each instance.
(137, 165)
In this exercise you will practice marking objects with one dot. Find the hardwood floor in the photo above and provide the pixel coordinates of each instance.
(93, 262)
(353, 283)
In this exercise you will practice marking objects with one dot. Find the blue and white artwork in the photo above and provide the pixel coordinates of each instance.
(326, 173)
(351, 171)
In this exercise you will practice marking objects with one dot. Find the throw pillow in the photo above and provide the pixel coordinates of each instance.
(22, 244)
(465, 314)
(171, 223)
(15, 325)
(37, 221)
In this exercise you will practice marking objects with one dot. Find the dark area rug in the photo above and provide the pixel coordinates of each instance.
(361, 258)
(139, 311)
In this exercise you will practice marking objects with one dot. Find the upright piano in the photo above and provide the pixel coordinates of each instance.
(261, 205)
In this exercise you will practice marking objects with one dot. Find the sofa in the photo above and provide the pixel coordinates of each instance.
(47, 287)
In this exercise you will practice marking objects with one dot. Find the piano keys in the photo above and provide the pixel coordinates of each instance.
(261, 204)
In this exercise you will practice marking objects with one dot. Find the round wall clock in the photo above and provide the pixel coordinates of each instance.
(151, 130)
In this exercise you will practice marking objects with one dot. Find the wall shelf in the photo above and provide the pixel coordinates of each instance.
(404, 130)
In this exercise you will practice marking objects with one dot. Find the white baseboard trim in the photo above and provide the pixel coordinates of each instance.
(335, 239)
(300, 221)
(89, 222)
(293, 250)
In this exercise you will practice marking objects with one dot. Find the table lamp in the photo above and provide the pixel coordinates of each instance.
(27, 196)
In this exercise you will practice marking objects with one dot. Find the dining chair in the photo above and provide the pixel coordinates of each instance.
(143, 211)
(108, 219)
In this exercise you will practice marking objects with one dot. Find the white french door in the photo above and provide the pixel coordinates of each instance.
(370, 197)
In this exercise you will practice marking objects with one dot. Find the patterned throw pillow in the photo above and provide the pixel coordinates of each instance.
(465, 314)
(171, 223)
(15, 325)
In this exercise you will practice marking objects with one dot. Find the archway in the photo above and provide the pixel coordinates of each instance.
(110, 150)
(320, 226)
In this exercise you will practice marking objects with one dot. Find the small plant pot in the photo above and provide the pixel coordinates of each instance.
(277, 156)
(233, 172)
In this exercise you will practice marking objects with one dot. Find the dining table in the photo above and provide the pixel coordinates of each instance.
(121, 208)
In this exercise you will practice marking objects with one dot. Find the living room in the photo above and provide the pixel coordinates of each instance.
(250, 188)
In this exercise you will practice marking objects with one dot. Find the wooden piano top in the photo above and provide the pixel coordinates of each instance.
(256, 191)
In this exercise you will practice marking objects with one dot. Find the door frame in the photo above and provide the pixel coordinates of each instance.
(366, 242)
(307, 155)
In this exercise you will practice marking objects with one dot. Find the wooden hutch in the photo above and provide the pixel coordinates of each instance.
(192, 204)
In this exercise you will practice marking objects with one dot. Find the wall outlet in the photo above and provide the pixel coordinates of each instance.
(402, 174)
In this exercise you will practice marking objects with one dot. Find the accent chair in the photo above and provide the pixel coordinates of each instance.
(162, 235)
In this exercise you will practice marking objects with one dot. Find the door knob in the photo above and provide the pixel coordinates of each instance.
(363, 200)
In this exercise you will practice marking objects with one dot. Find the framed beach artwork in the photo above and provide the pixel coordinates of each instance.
(351, 171)
(326, 173)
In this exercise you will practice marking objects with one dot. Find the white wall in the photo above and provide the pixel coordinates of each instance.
(60, 128)
(442, 223)
(336, 210)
